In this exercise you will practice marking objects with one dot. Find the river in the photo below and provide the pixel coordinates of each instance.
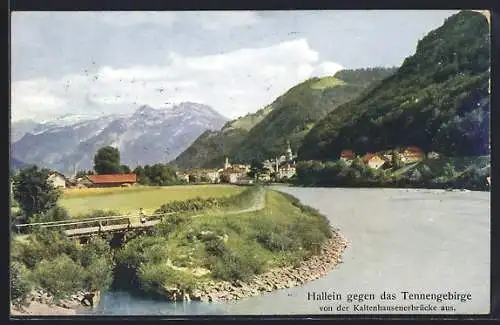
(421, 241)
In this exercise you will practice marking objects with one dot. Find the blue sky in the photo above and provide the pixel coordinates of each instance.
(237, 62)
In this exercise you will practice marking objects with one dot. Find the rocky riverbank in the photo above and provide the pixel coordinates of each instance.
(42, 303)
(275, 279)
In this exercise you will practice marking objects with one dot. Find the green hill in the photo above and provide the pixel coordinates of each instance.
(211, 147)
(437, 100)
(264, 134)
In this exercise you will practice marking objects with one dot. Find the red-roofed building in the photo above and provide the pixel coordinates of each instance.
(347, 156)
(373, 160)
(412, 154)
(114, 180)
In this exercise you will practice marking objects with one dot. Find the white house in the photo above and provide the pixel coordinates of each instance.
(287, 171)
(214, 176)
(58, 179)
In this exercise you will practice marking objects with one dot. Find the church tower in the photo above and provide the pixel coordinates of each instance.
(226, 164)
(289, 154)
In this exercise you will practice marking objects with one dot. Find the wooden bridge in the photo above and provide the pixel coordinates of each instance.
(86, 227)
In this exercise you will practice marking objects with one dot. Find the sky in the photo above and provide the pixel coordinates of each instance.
(100, 63)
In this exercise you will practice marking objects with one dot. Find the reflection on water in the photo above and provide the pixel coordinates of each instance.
(122, 303)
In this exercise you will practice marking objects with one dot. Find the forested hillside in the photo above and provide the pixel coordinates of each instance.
(438, 100)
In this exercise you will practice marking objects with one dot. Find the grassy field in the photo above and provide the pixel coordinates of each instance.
(327, 82)
(130, 200)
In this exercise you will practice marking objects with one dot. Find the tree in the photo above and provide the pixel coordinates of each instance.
(141, 175)
(107, 161)
(125, 169)
(82, 173)
(161, 175)
(449, 170)
(34, 192)
(193, 178)
(256, 168)
(396, 160)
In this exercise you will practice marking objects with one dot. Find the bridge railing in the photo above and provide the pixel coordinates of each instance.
(90, 222)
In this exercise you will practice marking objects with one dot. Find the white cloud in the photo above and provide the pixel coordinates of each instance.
(234, 83)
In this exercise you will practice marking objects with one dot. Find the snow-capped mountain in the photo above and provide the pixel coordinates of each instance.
(146, 136)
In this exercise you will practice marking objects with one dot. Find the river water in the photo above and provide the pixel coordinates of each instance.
(416, 241)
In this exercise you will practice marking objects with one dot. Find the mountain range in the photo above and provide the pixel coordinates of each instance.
(147, 136)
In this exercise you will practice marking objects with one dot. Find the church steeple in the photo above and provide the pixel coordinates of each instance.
(289, 154)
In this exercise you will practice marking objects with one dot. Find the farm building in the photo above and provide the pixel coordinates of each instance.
(115, 180)
(57, 179)
(412, 154)
(373, 160)
(347, 156)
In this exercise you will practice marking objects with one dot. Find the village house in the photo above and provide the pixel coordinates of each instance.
(286, 171)
(183, 177)
(213, 175)
(233, 174)
(115, 180)
(57, 179)
(83, 182)
(387, 155)
(347, 156)
(433, 155)
(373, 160)
(412, 154)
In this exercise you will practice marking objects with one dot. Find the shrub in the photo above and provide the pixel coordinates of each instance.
(99, 274)
(93, 250)
(59, 276)
(236, 265)
(170, 223)
(56, 213)
(274, 237)
(20, 286)
(158, 277)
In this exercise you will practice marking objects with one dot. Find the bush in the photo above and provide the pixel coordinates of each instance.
(56, 213)
(236, 265)
(158, 277)
(200, 204)
(93, 250)
(99, 274)
(20, 286)
(170, 223)
(59, 276)
(27, 254)
(274, 237)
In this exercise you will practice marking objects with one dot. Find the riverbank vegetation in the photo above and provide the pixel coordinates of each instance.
(463, 173)
(185, 252)
(234, 239)
(57, 264)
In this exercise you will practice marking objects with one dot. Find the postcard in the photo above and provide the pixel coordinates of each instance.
(302, 162)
